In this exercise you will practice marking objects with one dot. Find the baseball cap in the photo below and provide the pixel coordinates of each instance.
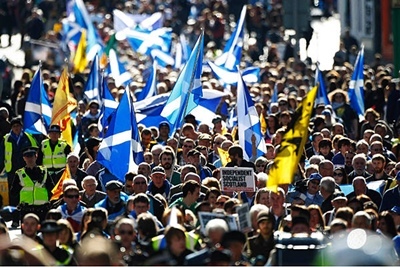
(204, 136)
(396, 209)
(265, 215)
(193, 152)
(315, 176)
(163, 123)
(158, 169)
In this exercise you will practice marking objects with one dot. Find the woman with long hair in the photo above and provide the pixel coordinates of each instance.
(386, 224)
(340, 176)
(317, 221)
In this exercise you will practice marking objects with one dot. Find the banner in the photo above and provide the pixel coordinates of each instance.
(237, 179)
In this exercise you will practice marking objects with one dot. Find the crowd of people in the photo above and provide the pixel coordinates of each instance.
(152, 217)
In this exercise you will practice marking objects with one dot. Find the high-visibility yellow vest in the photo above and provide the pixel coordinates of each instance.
(8, 150)
(54, 159)
(32, 193)
(192, 241)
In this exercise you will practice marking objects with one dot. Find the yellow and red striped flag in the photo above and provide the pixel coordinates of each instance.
(58, 190)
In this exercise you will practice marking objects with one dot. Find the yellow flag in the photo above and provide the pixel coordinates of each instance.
(62, 106)
(289, 153)
(224, 156)
(263, 124)
(80, 61)
(57, 190)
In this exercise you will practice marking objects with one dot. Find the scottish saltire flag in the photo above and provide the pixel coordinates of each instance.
(153, 22)
(232, 119)
(249, 126)
(143, 41)
(81, 16)
(117, 70)
(150, 89)
(121, 151)
(71, 34)
(322, 96)
(124, 20)
(109, 105)
(93, 83)
(148, 110)
(182, 52)
(232, 53)
(187, 90)
(356, 86)
(37, 115)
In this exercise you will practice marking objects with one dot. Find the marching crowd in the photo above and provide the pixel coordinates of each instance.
(152, 218)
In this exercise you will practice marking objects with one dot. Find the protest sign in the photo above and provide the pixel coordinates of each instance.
(237, 179)
(205, 217)
(243, 212)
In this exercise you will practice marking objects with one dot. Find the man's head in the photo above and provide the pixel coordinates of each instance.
(144, 169)
(362, 219)
(188, 144)
(376, 147)
(378, 162)
(71, 196)
(54, 132)
(156, 151)
(73, 161)
(167, 159)
(326, 168)
(191, 191)
(194, 157)
(359, 185)
(313, 183)
(30, 225)
(30, 155)
(327, 187)
(359, 162)
(205, 140)
(89, 184)
(277, 199)
(164, 129)
(141, 203)
(265, 222)
(145, 137)
(129, 183)
(16, 125)
(113, 190)
(158, 176)
(188, 168)
(315, 139)
(235, 153)
(139, 183)
(50, 230)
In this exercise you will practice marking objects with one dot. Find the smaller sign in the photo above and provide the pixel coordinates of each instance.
(205, 217)
(4, 188)
(236, 179)
(243, 212)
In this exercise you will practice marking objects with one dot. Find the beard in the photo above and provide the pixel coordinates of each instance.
(167, 166)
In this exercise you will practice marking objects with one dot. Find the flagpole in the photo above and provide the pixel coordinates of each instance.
(188, 95)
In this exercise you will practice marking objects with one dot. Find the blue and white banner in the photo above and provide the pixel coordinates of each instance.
(356, 86)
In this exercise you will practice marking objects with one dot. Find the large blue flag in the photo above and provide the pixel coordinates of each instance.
(93, 84)
(356, 86)
(249, 126)
(182, 52)
(232, 53)
(117, 70)
(121, 151)
(148, 110)
(150, 89)
(187, 90)
(37, 115)
(81, 16)
(109, 105)
(322, 96)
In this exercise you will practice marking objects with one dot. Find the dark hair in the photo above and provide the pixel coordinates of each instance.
(147, 225)
(174, 231)
(212, 190)
(169, 153)
(343, 171)
(189, 186)
(391, 227)
(142, 198)
(343, 141)
(236, 150)
(54, 214)
(129, 176)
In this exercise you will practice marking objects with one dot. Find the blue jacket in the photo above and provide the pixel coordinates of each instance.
(113, 212)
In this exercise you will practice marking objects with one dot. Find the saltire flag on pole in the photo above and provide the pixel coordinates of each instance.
(249, 126)
(148, 110)
(63, 105)
(81, 16)
(322, 96)
(109, 105)
(58, 190)
(80, 61)
(182, 52)
(117, 70)
(356, 86)
(187, 91)
(37, 115)
(150, 89)
(232, 53)
(93, 83)
(121, 151)
(291, 148)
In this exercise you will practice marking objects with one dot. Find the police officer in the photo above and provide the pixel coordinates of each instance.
(11, 158)
(53, 152)
(50, 230)
(34, 185)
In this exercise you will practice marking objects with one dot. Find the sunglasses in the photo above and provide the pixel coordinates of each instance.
(137, 183)
(72, 196)
(123, 232)
(337, 174)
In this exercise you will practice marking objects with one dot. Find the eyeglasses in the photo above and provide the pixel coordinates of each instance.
(72, 196)
(138, 183)
(123, 232)
(337, 174)
(282, 104)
